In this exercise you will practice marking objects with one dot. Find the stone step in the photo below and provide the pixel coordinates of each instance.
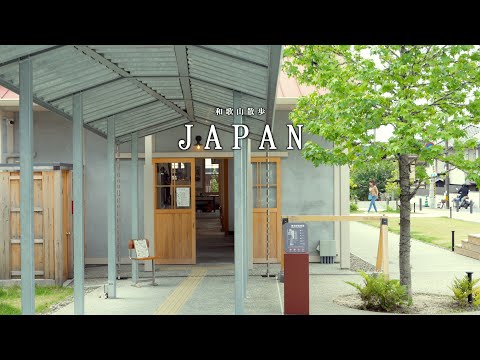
(470, 246)
(474, 239)
(473, 254)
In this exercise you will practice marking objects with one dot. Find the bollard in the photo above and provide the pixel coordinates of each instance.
(414, 207)
(458, 205)
(420, 204)
(471, 207)
(453, 240)
(450, 212)
(470, 298)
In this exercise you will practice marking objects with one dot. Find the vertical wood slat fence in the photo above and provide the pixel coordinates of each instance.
(53, 252)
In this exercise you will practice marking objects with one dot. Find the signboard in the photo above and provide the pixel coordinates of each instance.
(183, 197)
(295, 238)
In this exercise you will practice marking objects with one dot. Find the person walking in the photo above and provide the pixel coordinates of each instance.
(372, 195)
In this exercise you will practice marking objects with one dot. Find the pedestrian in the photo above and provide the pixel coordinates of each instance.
(372, 194)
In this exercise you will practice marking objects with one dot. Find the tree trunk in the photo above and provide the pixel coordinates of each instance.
(405, 270)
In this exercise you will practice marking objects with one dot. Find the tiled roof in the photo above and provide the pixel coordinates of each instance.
(6, 94)
(288, 87)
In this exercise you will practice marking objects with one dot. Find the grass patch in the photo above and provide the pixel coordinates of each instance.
(45, 296)
(437, 230)
(391, 210)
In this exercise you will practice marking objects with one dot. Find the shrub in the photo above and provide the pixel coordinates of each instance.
(462, 288)
(353, 207)
(381, 294)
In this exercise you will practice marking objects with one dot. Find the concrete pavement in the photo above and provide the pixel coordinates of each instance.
(429, 212)
(195, 290)
(433, 268)
(209, 289)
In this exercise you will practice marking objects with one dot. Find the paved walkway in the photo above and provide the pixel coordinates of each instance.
(192, 290)
(433, 268)
(209, 289)
(428, 212)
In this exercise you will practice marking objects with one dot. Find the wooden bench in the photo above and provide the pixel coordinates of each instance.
(139, 250)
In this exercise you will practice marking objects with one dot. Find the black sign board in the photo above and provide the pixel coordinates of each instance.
(295, 238)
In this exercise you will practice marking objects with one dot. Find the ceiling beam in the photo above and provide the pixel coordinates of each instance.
(224, 127)
(276, 54)
(215, 107)
(223, 87)
(110, 65)
(203, 47)
(86, 89)
(153, 129)
(121, 112)
(182, 64)
(31, 55)
(52, 108)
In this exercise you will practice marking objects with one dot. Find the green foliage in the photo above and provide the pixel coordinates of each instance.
(380, 294)
(421, 93)
(424, 93)
(7, 309)
(391, 186)
(360, 175)
(462, 288)
(214, 182)
(45, 296)
(353, 207)
(390, 209)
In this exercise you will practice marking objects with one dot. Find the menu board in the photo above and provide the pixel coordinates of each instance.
(295, 238)
(183, 197)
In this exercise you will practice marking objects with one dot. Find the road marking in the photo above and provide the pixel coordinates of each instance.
(175, 301)
(279, 298)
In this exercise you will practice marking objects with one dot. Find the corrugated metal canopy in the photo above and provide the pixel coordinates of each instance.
(150, 88)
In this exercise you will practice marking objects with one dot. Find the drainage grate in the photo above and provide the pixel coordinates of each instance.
(327, 259)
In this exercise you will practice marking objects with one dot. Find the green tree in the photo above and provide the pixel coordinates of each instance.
(361, 175)
(214, 181)
(425, 93)
(391, 186)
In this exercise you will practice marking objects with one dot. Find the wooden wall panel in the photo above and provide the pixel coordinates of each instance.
(49, 204)
(260, 237)
(4, 225)
(58, 226)
(67, 225)
(48, 217)
(15, 261)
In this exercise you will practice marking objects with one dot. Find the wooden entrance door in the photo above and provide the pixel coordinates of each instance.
(174, 206)
(266, 212)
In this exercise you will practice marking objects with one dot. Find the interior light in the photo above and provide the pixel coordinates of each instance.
(198, 146)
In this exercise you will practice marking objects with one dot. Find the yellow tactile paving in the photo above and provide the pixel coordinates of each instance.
(174, 302)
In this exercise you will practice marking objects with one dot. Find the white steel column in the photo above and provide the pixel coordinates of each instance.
(148, 203)
(249, 220)
(134, 204)
(111, 208)
(239, 189)
(26, 188)
(244, 200)
(78, 216)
